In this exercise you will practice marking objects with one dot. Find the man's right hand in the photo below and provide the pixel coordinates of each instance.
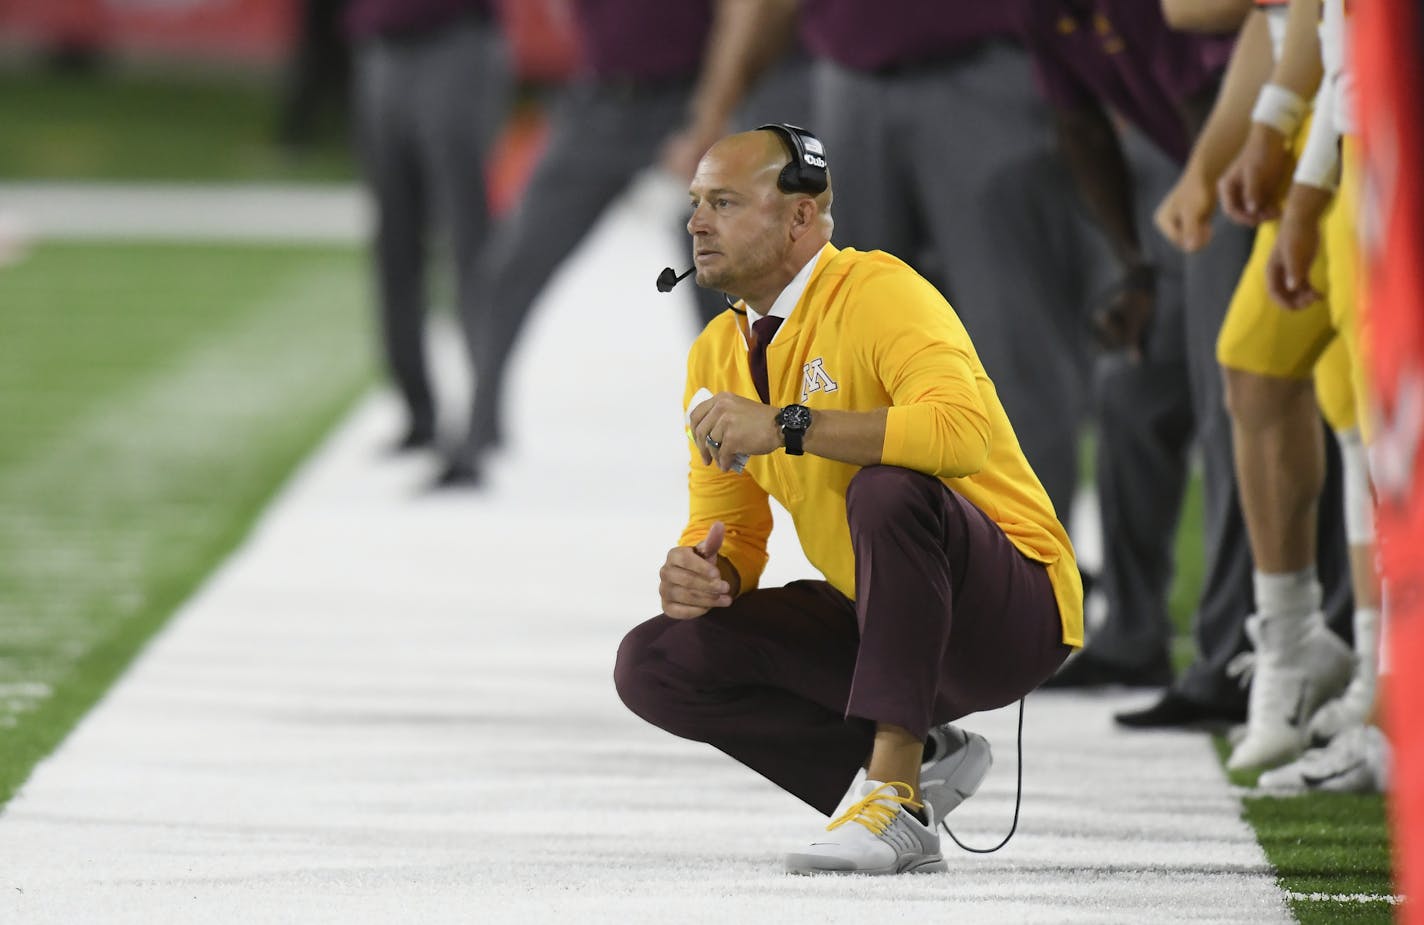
(1252, 186)
(1184, 217)
(1122, 323)
(690, 583)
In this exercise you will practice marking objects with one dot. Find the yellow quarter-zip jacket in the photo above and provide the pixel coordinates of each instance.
(867, 333)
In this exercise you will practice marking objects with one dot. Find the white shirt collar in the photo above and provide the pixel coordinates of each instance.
(786, 302)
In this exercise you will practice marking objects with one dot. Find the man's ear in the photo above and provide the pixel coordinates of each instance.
(803, 217)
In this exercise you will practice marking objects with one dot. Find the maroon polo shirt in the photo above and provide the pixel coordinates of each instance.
(369, 18)
(1122, 53)
(643, 40)
(877, 35)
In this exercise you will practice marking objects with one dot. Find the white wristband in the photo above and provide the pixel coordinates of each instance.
(1279, 108)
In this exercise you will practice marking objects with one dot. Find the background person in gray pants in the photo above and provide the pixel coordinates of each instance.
(432, 87)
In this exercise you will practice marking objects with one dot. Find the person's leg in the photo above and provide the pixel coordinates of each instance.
(1267, 357)
(1226, 596)
(851, 115)
(1343, 369)
(1144, 428)
(765, 681)
(1009, 245)
(459, 114)
(1298, 662)
(935, 575)
(803, 686)
(385, 80)
(599, 139)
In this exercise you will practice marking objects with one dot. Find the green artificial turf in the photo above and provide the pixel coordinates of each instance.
(155, 127)
(1327, 843)
(1189, 570)
(152, 398)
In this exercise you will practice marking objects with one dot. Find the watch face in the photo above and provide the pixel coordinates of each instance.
(796, 417)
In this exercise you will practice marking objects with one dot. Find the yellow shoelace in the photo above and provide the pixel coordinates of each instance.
(873, 812)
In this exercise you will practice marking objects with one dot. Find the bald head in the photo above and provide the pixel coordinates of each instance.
(749, 238)
(761, 155)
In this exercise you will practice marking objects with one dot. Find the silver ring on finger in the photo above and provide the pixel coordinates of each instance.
(714, 444)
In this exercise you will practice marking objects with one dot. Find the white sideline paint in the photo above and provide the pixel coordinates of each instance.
(257, 212)
(1387, 898)
(395, 707)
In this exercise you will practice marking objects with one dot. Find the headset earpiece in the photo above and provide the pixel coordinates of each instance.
(807, 173)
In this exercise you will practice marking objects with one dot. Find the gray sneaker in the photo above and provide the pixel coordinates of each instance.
(877, 835)
(961, 761)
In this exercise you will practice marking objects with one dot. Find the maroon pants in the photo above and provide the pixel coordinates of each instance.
(950, 619)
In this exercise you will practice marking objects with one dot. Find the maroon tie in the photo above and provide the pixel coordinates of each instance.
(762, 333)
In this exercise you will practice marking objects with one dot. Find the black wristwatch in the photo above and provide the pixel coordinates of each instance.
(794, 420)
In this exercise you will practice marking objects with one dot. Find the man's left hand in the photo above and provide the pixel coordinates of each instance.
(727, 424)
(1297, 242)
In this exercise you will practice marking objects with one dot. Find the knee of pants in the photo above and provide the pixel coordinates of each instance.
(885, 495)
(636, 684)
(647, 681)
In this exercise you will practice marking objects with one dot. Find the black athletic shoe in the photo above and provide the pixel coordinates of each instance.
(458, 474)
(1177, 711)
(1088, 670)
(417, 438)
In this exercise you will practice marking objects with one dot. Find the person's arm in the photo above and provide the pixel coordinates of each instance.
(718, 495)
(1210, 16)
(1299, 69)
(936, 422)
(739, 425)
(1255, 183)
(746, 37)
(1184, 217)
(1226, 128)
(1313, 189)
(1094, 154)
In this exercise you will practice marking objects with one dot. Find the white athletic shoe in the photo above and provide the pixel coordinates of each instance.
(1351, 708)
(1355, 761)
(1235, 734)
(961, 761)
(876, 835)
(1294, 673)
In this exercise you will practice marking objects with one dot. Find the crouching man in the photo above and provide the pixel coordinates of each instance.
(843, 385)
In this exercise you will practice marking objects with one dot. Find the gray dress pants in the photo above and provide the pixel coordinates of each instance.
(429, 107)
(952, 167)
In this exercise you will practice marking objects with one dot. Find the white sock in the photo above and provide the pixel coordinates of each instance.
(1290, 594)
(1359, 502)
(1367, 638)
(1285, 604)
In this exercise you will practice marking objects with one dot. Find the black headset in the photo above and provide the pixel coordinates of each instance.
(807, 172)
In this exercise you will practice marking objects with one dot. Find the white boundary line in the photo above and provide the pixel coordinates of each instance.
(1391, 899)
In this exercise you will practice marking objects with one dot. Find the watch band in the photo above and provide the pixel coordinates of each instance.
(794, 421)
(792, 436)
